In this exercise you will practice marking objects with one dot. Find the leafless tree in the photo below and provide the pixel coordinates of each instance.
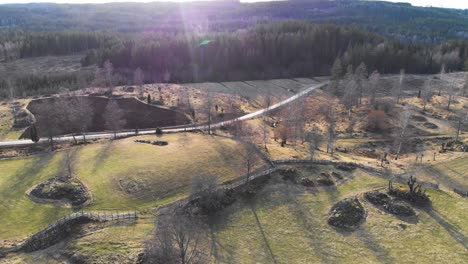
(399, 88)
(114, 117)
(465, 85)
(361, 79)
(83, 114)
(208, 109)
(314, 138)
(462, 117)
(178, 239)
(138, 78)
(250, 156)
(204, 184)
(427, 93)
(331, 137)
(109, 75)
(266, 103)
(373, 86)
(442, 78)
(50, 116)
(451, 93)
(402, 133)
(350, 97)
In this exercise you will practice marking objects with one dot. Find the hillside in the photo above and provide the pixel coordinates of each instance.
(400, 21)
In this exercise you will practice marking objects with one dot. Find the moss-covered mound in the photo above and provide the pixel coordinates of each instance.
(400, 208)
(61, 190)
(391, 205)
(377, 198)
(346, 213)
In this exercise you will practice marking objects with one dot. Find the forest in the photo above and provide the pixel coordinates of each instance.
(279, 50)
(396, 20)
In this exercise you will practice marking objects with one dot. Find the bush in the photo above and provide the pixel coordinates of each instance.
(288, 174)
(159, 131)
(378, 121)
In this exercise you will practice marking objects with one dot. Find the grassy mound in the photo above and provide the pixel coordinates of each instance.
(346, 213)
(61, 190)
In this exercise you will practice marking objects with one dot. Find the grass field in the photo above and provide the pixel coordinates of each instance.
(121, 174)
(286, 223)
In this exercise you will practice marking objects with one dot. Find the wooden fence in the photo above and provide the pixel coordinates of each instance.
(56, 231)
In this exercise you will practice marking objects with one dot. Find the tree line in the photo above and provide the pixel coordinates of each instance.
(281, 50)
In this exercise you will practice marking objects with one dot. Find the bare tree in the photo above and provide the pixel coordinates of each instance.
(441, 77)
(350, 97)
(114, 117)
(462, 119)
(314, 138)
(250, 157)
(83, 114)
(208, 109)
(373, 86)
(451, 93)
(138, 78)
(109, 75)
(282, 131)
(361, 79)
(50, 116)
(427, 93)
(402, 133)
(178, 239)
(465, 85)
(399, 88)
(266, 103)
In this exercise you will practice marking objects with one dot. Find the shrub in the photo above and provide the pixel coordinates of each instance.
(288, 174)
(377, 121)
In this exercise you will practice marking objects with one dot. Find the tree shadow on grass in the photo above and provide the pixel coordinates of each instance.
(452, 229)
(25, 177)
(103, 155)
(439, 176)
(216, 246)
(262, 232)
(382, 254)
(310, 221)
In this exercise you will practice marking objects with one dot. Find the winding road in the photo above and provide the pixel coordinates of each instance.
(191, 127)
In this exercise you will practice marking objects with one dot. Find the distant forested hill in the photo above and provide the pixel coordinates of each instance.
(397, 20)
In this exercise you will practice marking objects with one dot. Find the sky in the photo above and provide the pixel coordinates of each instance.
(462, 4)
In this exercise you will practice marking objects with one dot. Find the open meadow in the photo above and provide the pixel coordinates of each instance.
(121, 175)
